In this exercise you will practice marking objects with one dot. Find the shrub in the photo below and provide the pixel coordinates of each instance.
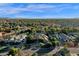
(13, 51)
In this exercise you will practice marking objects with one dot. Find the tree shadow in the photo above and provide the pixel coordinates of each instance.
(43, 51)
(5, 50)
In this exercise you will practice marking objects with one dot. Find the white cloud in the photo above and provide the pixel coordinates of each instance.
(39, 8)
(3, 4)
(32, 8)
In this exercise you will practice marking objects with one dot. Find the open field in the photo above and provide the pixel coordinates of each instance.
(39, 37)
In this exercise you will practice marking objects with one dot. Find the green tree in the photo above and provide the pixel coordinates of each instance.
(13, 51)
(64, 52)
(55, 42)
(29, 39)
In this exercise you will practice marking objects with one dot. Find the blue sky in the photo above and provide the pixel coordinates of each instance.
(39, 10)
